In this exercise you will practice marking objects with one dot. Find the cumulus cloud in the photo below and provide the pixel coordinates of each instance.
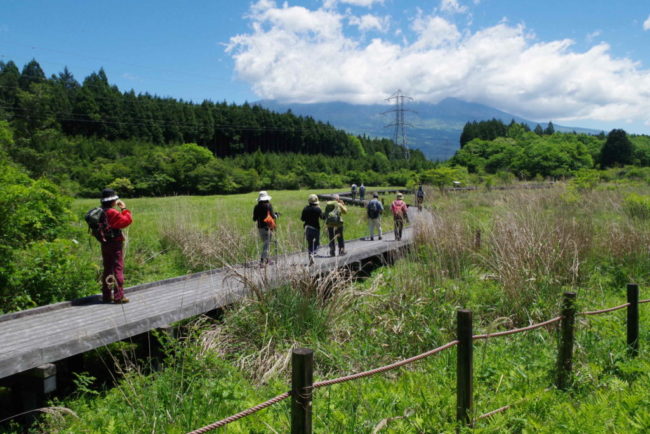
(452, 6)
(646, 24)
(370, 22)
(295, 54)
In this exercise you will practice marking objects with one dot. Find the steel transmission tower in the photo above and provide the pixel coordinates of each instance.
(399, 136)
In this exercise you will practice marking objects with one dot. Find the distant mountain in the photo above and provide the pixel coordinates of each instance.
(433, 128)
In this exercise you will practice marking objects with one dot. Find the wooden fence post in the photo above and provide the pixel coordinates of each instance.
(565, 352)
(633, 320)
(302, 369)
(464, 368)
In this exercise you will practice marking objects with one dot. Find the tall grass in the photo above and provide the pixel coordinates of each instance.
(535, 244)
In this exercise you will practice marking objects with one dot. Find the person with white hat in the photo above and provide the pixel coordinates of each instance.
(311, 216)
(334, 211)
(112, 243)
(265, 217)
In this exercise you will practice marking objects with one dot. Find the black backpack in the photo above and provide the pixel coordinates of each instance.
(98, 225)
(373, 209)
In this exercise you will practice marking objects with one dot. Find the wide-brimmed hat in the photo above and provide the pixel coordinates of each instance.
(263, 196)
(109, 195)
(313, 199)
(400, 195)
(375, 194)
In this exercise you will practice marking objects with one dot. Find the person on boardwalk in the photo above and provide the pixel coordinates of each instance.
(399, 209)
(419, 197)
(265, 217)
(334, 211)
(375, 209)
(362, 191)
(311, 216)
(353, 189)
(112, 242)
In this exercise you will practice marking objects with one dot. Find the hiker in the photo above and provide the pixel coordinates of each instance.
(399, 209)
(354, 191)
(419, 197)
(112, 242)
(362, 191)
(265, 217)
(334, 222)
(375, 210)
(311, 216)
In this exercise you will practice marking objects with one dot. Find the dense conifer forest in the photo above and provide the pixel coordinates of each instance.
(87, 135)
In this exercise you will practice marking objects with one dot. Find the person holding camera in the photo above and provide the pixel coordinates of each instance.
(334, 211)
(113, 246)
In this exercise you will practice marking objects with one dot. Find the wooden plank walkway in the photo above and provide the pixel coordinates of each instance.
(51, 333)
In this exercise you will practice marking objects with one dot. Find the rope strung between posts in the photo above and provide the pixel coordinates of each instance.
(401, 363)
(611, 309)
(242, 414)
(384, 368)
(520, 330)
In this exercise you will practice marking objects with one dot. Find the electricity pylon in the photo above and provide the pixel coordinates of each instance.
(399, 136)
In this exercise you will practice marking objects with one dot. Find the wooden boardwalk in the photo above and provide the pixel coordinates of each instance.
(47, 334)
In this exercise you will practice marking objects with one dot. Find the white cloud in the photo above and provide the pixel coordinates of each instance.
(365, 3)
(452, 6)
(593, 35)
(370, 22)
(646, 24)
(295, 54)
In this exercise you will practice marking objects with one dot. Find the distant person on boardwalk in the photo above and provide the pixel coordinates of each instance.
(353, 189)
(399, 209)
(419, 197)
(362, 191)
(311, 217)
(334, 211)
(375, 209)
(265, 217)
(113, 246)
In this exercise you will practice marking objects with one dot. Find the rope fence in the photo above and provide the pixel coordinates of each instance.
(302, 385)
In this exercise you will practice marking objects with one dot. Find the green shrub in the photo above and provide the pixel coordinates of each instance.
(48, 272)
(637, 206)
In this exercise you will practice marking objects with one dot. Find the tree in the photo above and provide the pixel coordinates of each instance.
(32, 73)
(617, 150)
(550, 129)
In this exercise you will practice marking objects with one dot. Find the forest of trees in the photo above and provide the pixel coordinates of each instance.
(87, 135)
(492, 146)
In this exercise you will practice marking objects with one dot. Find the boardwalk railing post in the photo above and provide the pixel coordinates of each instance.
(302, 369)
(633, 320)
(565, 352)
(464, 368)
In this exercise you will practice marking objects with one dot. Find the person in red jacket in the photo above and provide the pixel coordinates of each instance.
(113, 247)
(400, 213)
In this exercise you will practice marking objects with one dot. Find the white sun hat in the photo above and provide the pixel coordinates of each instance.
(263, 195)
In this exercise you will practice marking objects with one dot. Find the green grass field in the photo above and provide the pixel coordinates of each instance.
(151, 254)
(535, 245)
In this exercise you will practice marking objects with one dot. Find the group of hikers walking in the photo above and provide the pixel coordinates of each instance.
(332, 216)
(106, 224)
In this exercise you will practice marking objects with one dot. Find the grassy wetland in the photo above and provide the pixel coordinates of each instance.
(535, 244)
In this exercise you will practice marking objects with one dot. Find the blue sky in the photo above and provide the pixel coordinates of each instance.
(578, 62)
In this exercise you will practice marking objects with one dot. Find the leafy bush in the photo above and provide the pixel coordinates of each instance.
(48, 272)
(637, 206)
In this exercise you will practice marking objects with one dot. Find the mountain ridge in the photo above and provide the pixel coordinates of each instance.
(433, 128)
